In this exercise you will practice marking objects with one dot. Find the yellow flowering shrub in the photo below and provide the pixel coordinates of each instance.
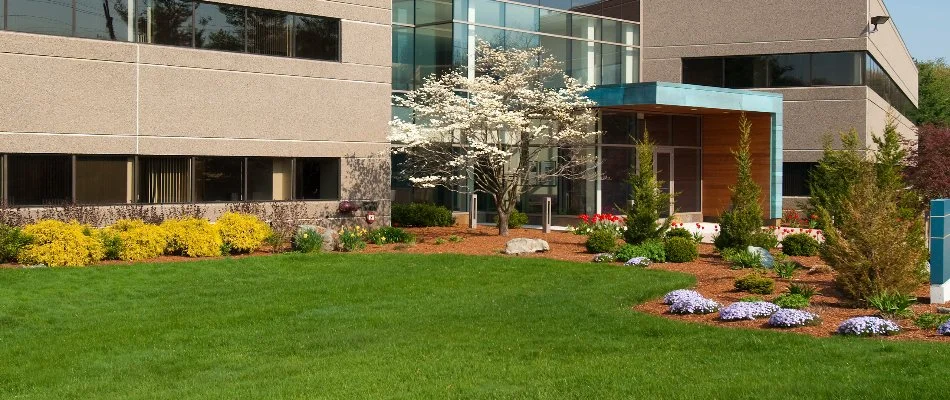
(192, 237)
(138, 240)
(242, 233)
(59, 244)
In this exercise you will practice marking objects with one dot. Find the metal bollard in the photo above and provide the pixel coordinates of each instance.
(473, 212)
(546, 216)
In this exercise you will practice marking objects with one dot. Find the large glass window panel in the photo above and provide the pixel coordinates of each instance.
(50, 17)
(795, 178)
(560, 49)
(433, 50)
(495, 37)
(611, 67)
(618, 128)
(37, 179)
(489, 12)
(659, 128)
(163, 180)
(837, 69)
(611, 31)
(585, 59)
(102, 19)
(790, 70)
(220, 27)
(521, 40)
(746, 72)
(686, 180)
(460, 47)
(616, 164)
(318, 178)
(521, 17)
(403, 55)
(555, 23)
(686, 131)
(167, 22)
(631, 65)
(404, 11)
(631, 34)
(268, 179)
(317, 38)
(268, 33)
(558, 4)
(219, 178)
(703, 71)
(433, 11)
(102, 179)
(585, 27)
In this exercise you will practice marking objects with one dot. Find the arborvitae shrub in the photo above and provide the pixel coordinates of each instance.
(601, 241)
(743, 220)
(648, 200)
(755, 283)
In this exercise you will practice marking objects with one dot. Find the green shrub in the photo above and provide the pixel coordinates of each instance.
(455, 239)
(785, 269)
(792, 300)
(111, 244)
(892, 304)
(12, 240)
(601, 241)
(739, 225)
(352, 238)
(755, 283)
(389, 234)
(751, 299)
(741, 259)
(800, 244)
(931, 321)
(681, 250)
(679, 232)
(517, 219)
(59, 244)
(765, 240)
(421, 215)
(275, 241)
(648, 200)
(308, 241)
(802, 289)
(653, 249)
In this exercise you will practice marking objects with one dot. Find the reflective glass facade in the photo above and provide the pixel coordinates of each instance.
(185, 23)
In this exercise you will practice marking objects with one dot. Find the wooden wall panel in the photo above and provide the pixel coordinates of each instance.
(720, 136)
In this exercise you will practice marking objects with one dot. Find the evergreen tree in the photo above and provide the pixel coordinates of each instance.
(739, 225)
(642, 217)
(830, 182)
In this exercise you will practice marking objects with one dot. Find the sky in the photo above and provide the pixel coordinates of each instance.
(924, 25)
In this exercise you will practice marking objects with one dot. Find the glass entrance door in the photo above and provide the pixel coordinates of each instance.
(663, 164)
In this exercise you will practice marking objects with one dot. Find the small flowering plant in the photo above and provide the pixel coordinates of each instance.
(680, 294)
(868, 326)
(944, 329)
(591, 223)
(352, 238)
(747, 311)
(642, 262)
(604, 258)
(694, 305)
(787, 318)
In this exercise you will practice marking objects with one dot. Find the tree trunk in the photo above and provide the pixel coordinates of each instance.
(502, 222)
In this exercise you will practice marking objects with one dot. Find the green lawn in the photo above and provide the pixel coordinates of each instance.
(406, 326)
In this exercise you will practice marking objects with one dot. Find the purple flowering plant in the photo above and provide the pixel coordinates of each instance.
(604, 258)
(638, 262)
(944, 329)
(747, 311)
(788, 318)
(680, 294)
(694, 305)
(868, 326)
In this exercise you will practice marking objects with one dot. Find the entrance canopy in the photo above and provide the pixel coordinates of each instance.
(720, 110)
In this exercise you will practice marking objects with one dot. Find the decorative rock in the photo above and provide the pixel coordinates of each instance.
(522, 246)
(768, 261)
(943, 310)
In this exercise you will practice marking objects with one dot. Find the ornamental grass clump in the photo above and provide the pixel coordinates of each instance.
(944, 329)
(868, 326)
(786, 318)
(747, 311)
(694, 305)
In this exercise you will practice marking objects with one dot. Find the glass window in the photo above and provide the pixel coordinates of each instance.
(631, 34)
(616, 164)
(611, 31)
(268, 32)
(521, 40)
(489, 12)
(746, 72)
(703, 71)
(659, 128)
(433, 11)
(790, 70)
(404, 11)
(558, 4)
(559, 49)
(403, 54)
(219, 178)
(98, 19)
(163, 180)
(611, 64)
(318, 179)
(618, 128)
(631, 65)
(317, 38)
(686, 180)
(167, 22)
(496, 37)
(585, 27)
(39, 179)
(50, 17)
(460, 47)
(433, 50)
(555, 23)
(521, 17)
(220, 27)
(102, 179)
(268, 178)
(795, 177)
(584, 61)
(837, 69)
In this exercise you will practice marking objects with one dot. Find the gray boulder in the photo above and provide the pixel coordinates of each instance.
(768, 261)
(523, 246)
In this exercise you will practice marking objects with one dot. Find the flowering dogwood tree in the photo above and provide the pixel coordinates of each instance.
(493, 128)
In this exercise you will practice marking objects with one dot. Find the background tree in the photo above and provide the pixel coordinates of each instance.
(930, 162)
(491, 130)
(934, 93)
(739, 224)
(831, 180)
(648, 200)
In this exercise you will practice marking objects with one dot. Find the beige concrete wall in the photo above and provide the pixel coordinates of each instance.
(813, 114)
(887, 46)
(878, 113)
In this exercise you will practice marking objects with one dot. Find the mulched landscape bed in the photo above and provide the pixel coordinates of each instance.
(713, 276)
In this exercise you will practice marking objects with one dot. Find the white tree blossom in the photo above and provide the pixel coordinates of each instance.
(491, 128)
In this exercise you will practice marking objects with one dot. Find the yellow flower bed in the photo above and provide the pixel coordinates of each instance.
(243, 233)
(59, 244)
(192, 237)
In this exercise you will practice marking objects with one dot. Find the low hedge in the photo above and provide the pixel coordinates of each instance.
(421, 215)
(800, 244)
